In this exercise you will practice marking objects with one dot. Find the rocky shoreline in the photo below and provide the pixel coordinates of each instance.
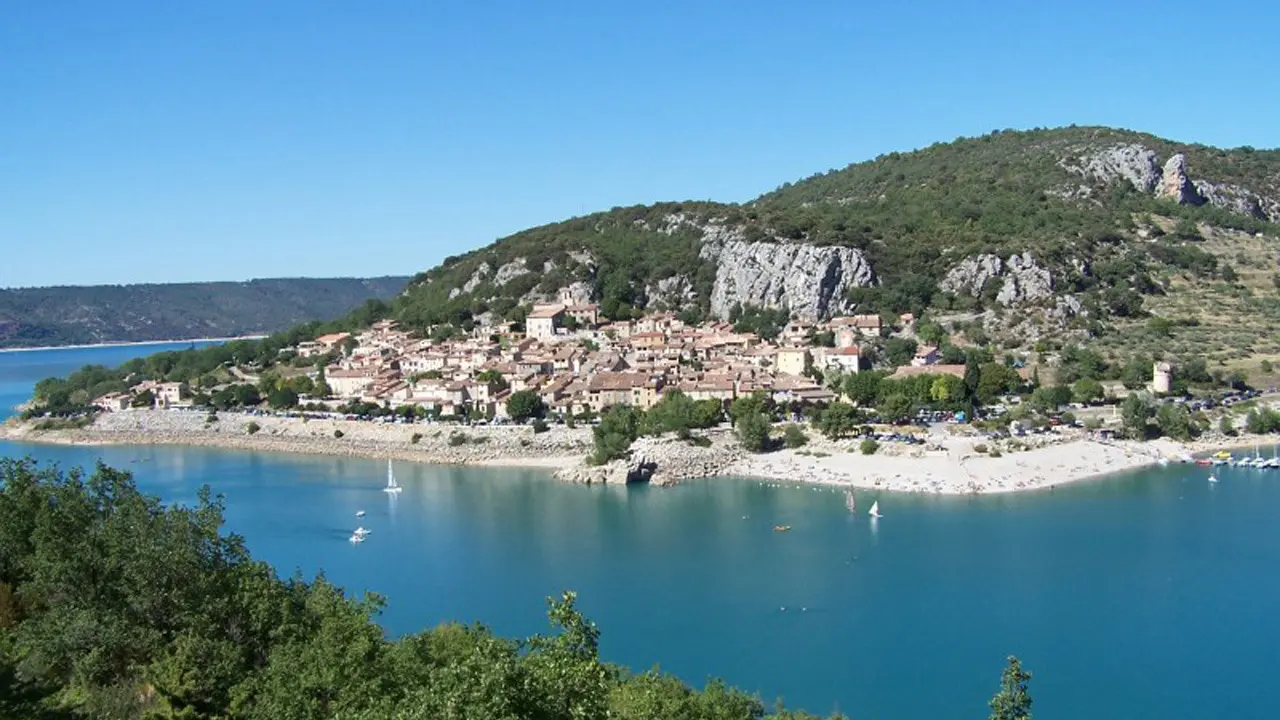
(951, 464)
(662, 461)
(435, 443)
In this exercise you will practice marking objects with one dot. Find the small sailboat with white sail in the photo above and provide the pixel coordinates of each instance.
(392, 485)
(875, 509)
(850, 502)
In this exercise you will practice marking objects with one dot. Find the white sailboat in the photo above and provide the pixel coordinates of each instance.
(392, 485)
(875, 509)
(850, 502)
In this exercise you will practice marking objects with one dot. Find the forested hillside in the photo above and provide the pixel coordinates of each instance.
(1075, 231)
(115, 607)
(31, 317)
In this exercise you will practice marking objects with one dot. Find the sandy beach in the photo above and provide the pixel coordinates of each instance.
(957, 469)
(950, 464)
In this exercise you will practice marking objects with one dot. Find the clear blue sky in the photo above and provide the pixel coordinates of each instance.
(173, 141)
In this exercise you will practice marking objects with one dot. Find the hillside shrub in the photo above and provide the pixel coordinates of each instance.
(794, 437)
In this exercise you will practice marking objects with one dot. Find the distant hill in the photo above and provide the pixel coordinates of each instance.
(32, 317)
(1015, 236)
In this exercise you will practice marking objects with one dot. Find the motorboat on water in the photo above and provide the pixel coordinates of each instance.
(1213, 478)
(361, 531)
(781, 528)
(359, 513)
(392, 485)
(356, 538)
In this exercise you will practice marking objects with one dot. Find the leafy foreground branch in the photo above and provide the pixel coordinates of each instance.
(115, 606)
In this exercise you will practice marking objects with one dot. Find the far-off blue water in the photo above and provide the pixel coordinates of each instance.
(1152, 595)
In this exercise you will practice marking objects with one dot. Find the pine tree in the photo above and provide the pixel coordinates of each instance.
(1013, 702)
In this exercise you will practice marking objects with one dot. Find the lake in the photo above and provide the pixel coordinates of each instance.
(1148, 595)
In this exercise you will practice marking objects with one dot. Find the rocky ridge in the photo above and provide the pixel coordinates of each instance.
(1139, 166)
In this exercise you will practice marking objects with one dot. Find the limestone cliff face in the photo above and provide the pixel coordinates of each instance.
(808, 281)
(1133, 163)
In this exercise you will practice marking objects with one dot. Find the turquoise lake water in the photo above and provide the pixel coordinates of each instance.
(1148, 595)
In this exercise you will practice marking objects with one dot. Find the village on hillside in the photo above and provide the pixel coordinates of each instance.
(579, 365)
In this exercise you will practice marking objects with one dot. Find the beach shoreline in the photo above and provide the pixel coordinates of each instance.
(140, 343)
(430, 444)
(948, 465)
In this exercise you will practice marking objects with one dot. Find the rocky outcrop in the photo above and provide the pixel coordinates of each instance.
(1022, 280)
(618, 472)
(577, 293)
(661, 461)
(972, 275)
(671, 293)
(510, 271)
(1134, 164)
(808, 281)
(480, 275)
(1176, 185)
(1239, 200)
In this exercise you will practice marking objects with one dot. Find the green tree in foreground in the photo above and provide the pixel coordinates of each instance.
(619, 426)
(1087, 390)
(1174, 421)
(794, 437)
(524, 405)
(1013, 701)
(1136, 414)
(753, 431)
(838, 420)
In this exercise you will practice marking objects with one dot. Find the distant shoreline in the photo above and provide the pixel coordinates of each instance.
(140, 343)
